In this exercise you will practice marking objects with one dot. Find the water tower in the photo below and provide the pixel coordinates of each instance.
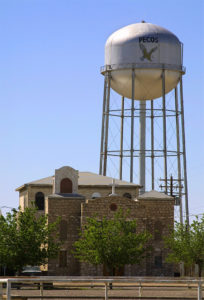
(143, 133)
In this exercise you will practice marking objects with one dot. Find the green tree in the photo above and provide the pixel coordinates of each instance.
(111, 242)
(186, 244)
(26, 239)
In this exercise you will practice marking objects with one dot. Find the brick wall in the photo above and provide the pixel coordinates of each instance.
(23, 199)
(160, 220)
(150, 215)
(69, 210)
(32, 190)
(87, 191)
(101, 206)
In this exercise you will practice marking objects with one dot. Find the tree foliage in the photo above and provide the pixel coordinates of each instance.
(186, 244)
(111, 242)
(26, 239)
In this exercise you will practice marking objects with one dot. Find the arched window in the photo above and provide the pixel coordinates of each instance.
(95, 195)
(65, 186)
(40, 201)
(127, 195)
(158, 228)
(63, 230)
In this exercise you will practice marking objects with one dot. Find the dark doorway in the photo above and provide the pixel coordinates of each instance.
(66, 186)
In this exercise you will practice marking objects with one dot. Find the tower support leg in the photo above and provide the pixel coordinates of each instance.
(106, 124)
(152, 141)
(178, 154)
(132, 126)
(184, 151)
(103, 126)
(164, 129)
(121, 138)
(142, 144)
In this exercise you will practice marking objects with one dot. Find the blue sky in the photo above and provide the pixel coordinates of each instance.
(51, 88)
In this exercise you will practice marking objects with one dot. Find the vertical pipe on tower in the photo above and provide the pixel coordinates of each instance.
(164, 129)
(184, 151)
(132, 126)
(152, 142)
(142, 144)
(121, 138)
(178, 154)
(103, 126)
(106, 125)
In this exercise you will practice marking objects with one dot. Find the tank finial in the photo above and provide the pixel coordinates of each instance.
(143, 21)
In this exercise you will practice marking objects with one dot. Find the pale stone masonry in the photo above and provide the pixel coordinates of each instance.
(88, 184)
(84, 195)
(65, 172)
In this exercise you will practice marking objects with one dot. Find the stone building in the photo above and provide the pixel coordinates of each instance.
(74, 195)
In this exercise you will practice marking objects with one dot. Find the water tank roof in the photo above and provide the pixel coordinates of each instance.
(143, 29)
(148, 49)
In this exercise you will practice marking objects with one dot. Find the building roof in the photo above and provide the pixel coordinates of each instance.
(89, 178)
(152, 195)
(46, 180)
(85, 179)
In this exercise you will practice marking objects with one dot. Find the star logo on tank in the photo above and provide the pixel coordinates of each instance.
(147, 54)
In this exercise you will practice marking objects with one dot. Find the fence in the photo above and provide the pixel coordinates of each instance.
(93, 281)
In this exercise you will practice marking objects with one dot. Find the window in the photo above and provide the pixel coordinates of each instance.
(63, 258)
(127, 195)
(95, 195)
(63, 230)
(149, 226)
(158, 231)
(40, 201)
(113, 206)
(65, 186)
(158, 261)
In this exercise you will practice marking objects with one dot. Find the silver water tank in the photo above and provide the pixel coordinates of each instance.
(148, 49)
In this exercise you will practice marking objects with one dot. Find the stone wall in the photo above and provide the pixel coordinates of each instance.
(155, 216)
(69, 210)
(23, 199)
(102, 206)
(33, 190)
(160, 220)
(66, 172)
(88, 191)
